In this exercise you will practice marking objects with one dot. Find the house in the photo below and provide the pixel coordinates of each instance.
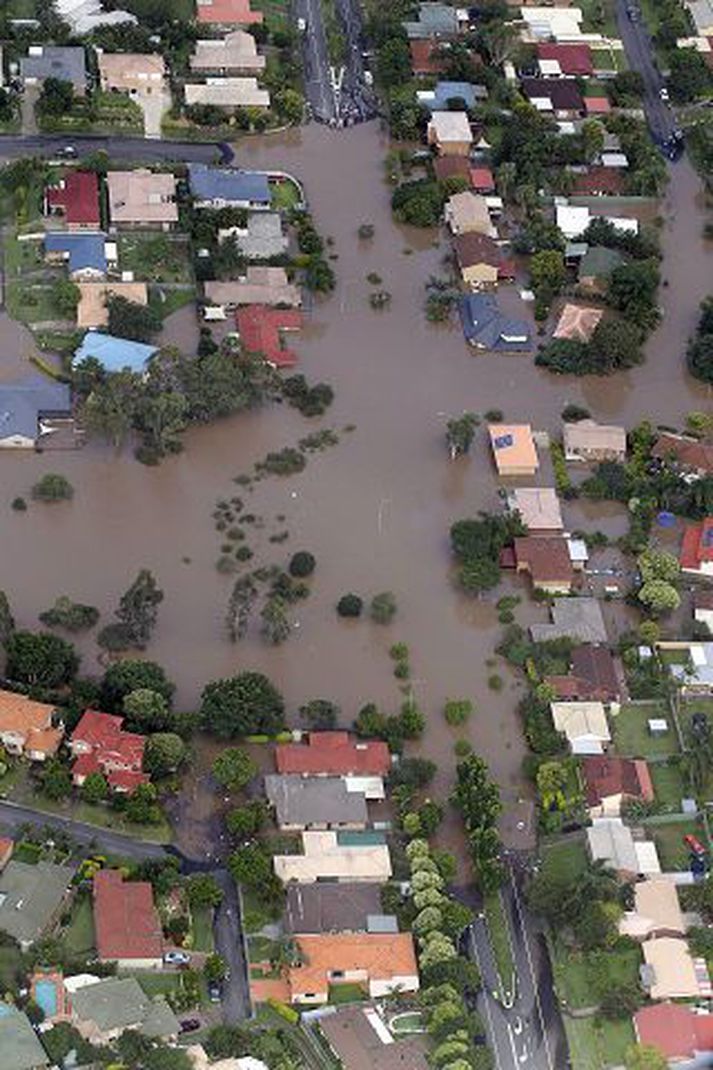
(596, 267)
(229, 93)
(135, 73)
(26, 727)
(261, 286)
(680, 1032)
(597, 106)
(467, 213)
(383, 963)
(7, 846)
(355, 1036)
(102, 1011)
(142, 199)
(485, 326)
(479, 259)
(588, 441)
(83, 16)
(696, 557)
(227, 13)
(362, 764)
(513, 449)
(657, 911)
(228, 187)
(32, 898)
(445, 167)
(671, 972)
(127, 925)
(552, 23)
(572, 219)
(428, 56)
(611, 781)
(686, 455)
(92, 311)
(261, 239)
(612, 842)
(481, 180)
(539, 509)
(594, 675)
(546, 559)
(334, 908)
(75, 198)
(558, 95)
(584, 724)
(444, 94)
(701, 12)
(314, 802)
(260, 329)
(579, 619)
(597, 182)
(100, 745)
(703, 608)
(556, 60)
(450, 133)
(65, 63)
(235, 53)
(577, 322)
(434, 20)
(695, 674)
(200, 1060)
(32, 411)
(114, 354)
(86, 253)
(326, 856)
(19, 1043)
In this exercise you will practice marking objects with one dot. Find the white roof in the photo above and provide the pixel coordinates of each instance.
(538, 507)
(80, 980)
(554, 22)
(672, 971)
(550, 68)
(610, 841)
(647, 857)
(572, 219)
(623, 225)
(450, 126)
(578, 551)
(583, 723)
(702, 14)
(615, 159)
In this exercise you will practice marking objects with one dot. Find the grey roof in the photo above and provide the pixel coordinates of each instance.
(22, 403)
(314, 801)
(610, 841)
(698, 670)
(29, 897)
(599, 262)
(21, 1050)
(57, 61)
(121, 1003)
(574, 618)
(264, 236)
(434, 19)
(325, 907)
(485, 326)
(228, 184)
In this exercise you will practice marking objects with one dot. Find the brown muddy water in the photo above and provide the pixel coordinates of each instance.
(376, 508)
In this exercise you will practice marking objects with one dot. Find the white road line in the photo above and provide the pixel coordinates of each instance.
(532, 974)
(488, 1015)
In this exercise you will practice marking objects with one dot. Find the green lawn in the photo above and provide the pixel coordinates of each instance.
(284, 195)
(277, 12)
(32, 303)
(27, 852)
(598, 17)
(499, 939)
(256, 912)
(158, 984)
(632, 738)
(582, 978)
(202, 928)
(597, 1045)
(107, 113)
(167, 301)
(78, 937)
(21, 256)
(668, 838)
(346, 993)
(155, 257)
(564, 861)
(668, 785)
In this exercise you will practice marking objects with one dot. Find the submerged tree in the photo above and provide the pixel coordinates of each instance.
(138, 608)
(240, 606)
(460, 432)
(275, 622)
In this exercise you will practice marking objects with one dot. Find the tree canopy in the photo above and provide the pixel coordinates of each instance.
(242, 705)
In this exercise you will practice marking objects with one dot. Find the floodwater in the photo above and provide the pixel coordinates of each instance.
(376, 508)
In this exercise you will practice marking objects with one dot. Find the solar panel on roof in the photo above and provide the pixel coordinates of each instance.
(502, 442)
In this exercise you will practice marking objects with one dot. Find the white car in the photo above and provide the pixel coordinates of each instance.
(663, 93)
(176, 958)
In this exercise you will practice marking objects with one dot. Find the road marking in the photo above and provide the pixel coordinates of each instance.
(488, 1014)
(532, 974)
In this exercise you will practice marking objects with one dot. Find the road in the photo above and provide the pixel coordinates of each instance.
(315, 58)
(642, 58)
(357, 102)
(125, 148)
(229, 942)
(12, 817)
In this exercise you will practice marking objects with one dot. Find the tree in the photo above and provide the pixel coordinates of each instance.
(203, 890)
(289, 105)
(644, 1057)
(73, 616)
(251, 866)
(547, 274)
(215, 969)
(65, 295)
(165, 752)
(95, 788)
(56, 780)
(659, 596)
(699, 354)
(129, 675)
(460, 432)
(479, 574)
(478, 800)
(632, 291)
(457, 711)
(138, 608)
(349, 605)
(383, 607)
(111, 406)
(659, 565)
(242, 705)
(142, 807)
(56, 98)
(246, 821)
(240, 606)
(276, 626)
(53, 488)
(234, 769)
(147, 711)
(130, 320)
(301, 564)
(161, 418)
(320, 714)
(7, 621)
(40, 659)
(418, 203)
(689, 76)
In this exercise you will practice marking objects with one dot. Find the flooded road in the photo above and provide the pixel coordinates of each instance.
(375, 509)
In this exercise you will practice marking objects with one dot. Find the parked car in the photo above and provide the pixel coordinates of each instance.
(663, 93)
(215, 992)
(177, 958)
(189, 1025)
(694, 844)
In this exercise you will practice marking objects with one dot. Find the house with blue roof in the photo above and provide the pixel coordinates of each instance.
(86, 253)
(485, 326)
(228, 187)
(29, 409)
(114, 354)
(438, 98)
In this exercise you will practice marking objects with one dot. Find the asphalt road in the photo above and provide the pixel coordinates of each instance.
(229, 942)
(13, 816)
(642, 58)
(123, 148)
(315, 58)
(357, 101)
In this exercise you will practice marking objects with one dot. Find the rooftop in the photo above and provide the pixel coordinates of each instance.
(656, 910)
(142, 197)
(352, 1033)
(671, 972)
(688, 453)
(325, 907)
(263, 237)
(677, 1030)
(606, 777)
(485, 326)
(697, 547)
(227, 12)
(304, 801)
(22, 405)
(29, 897)
(86, 250)
(577, 618)
(439, 98)
(585, 436)
(581, 721)
(236, 51)
(474, 249)
(513, 447)
(66, 63)
(572, 59)
(119, 69)
(577, 322)
(380, 957)
(228, 185)
(599, 262)
(545, 557)
(334, 754)
(539, 508)
(325, 857)
(450, 167)
(426, 57)
(434, 19)
(127, 924)
(77, 194)
(20, 1046)
(231, 92)
(114, 354)
(92, 310)
(481, 178)
(120, 1003)
(259, 328)
(467, 211)
(450, 126)
(596, 665)
(556, 94)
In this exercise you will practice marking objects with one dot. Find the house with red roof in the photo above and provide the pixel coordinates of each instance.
(684, 454)
(427, 56)
(362, 763)
(611, 781)
(227, 13)
(481, 180)
(126, 922)
(696, 556)
(597, 105)
(676, 1030)
(599, 181)
(557, 60)
(260, 328)
(75, 199)
(100, 745)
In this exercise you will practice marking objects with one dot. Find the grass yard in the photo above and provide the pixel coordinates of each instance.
(260, 948)
(158, 984)
(691, 706)
(668, 838)
(284, 195)
(564, 861)
(106, 113)
(27, 852)
(500, 939)
(21, 9)
(276, 12)
(582, 978)
(155, 257)
(30, 303)
(78, 937)
(20, 256)
(347, 993)
(167, 301)
(598, 17)
(256, 912)
(202, 929)
(669, 787)
(597, 1045)
(632, 738)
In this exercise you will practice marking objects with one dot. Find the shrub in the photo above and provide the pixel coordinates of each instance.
(462, 748)
(19, 505)
(301, 564)
(573, 413)
(288, 1013)
(350, 605)
(383, 607)
(457, 711)
(74, 616)
(494, 416)
(52, 488)
(495, 682)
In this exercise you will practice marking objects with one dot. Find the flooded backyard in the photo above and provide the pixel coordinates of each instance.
(374, 509)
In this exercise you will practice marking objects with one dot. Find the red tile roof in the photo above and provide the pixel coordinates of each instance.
(450, 167)
(227, 12)
(697, 545)
(96, 729)
(597, 105)
(686, 452)
(674, 1029)
(259, 328)
(607, 180)
(78, 197)
(101, 745)
(425, 58)
(334, 754)
(573, 59)
(481, 179)
(125, 919)
(605, 777)
(545, 558)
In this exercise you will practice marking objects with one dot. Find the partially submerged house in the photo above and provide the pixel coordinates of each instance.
(546, 559)
(261, 238)
(577, 322)
(588, 441)
(314, 802)
(228, 187)
(32, 411)
(687, 455)
(513, 449)
(696, 557)
(594, 675)
(260, 286)
(479, 259)
(538, 507)
(486, 327)
(579, 619)
(467, 213)
(261, 329)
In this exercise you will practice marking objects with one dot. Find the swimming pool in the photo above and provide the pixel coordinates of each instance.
(46, 997)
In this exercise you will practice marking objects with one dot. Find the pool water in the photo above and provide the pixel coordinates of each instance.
(46, 997)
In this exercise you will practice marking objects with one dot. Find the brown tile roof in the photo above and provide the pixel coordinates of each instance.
(546, 558)
(604, 777)
(125, 918)
(687, 452)
(596, 666)
(577, 322)
(425, 58)
(450, 167)
(472, 249)
(607, 180)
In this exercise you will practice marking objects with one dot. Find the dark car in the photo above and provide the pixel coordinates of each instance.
(215, 992)
(189, 1025)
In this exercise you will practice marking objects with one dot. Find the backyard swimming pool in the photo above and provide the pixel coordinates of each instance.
(46, 997)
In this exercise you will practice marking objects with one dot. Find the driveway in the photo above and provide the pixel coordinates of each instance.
(154, 104)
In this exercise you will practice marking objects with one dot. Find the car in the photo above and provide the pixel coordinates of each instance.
(189, 1025)
(694, 844)
(302, 25)
(663, 93)
(177, 958)
(215, 992)
(68, 152)
(517, 1026)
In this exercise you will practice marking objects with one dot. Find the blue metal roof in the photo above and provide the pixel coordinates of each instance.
(228, 184)
(22, 403)
(484, 325)
(86, 249)
(114, 354)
